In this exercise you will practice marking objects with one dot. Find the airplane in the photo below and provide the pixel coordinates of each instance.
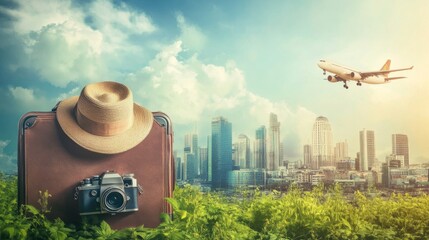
(344, 74)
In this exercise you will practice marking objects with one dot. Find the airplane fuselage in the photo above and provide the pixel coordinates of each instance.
(347, 74)
(344, 74)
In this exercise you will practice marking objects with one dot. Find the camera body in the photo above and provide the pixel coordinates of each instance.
(108, 193)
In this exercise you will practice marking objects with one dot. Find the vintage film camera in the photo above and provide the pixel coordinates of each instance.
(108, 193)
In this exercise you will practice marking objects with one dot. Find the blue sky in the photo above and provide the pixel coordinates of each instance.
(240, 59)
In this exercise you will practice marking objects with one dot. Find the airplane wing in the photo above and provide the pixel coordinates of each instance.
(393, 78)
(367, 74)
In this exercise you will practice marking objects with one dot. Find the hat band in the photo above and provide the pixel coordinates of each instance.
(103, 129)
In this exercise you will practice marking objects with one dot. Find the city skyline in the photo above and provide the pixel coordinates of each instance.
(241, 60)
(232, 165)
(321, 153)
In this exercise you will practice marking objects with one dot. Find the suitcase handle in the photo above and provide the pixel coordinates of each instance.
(54, 109)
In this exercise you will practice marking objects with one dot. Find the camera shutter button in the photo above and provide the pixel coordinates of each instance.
(87, 181)
(94, 193)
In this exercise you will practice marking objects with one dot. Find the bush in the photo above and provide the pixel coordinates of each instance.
(252, 215)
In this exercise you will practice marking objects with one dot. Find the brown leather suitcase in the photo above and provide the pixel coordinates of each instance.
(49, 160)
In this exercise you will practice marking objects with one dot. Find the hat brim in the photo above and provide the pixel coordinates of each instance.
(142, 124)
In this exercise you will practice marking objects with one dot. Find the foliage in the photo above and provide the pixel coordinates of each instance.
(317, 214)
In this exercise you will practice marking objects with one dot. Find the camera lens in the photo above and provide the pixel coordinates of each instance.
(114, 200)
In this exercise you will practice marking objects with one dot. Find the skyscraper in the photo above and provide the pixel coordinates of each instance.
(235, 162)
(209, 158)
(243, 152)
(178, 166)
(357, 161)
(260, 148)
(190, 156)
(221, 152)
(203, 157)
(307, 156)
(273, 144)
(322, 143)
(191, 174)
(367, 150)
(282, 156)
(341, 151)
(400, 147)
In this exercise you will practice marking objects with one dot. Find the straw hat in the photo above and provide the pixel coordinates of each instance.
(104, 118)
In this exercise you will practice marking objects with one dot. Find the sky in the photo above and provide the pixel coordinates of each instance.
(195, 60)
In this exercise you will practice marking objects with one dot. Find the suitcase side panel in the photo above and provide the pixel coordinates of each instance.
(165, 122)
(48, 160)
(26, 121)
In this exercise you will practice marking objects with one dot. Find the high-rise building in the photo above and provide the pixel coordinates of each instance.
(322, 143)
(209, 158)
(248, 177)
(385, 175)
(273, 144)
(400, 147)
(282, 157)
(243, 152)
(235, 162)
(260, 148)
(190, 167)
(191, 142)
(190, 157)
(367, 150)
(221, 152)
(357, 161)
(341, 151)
(393, 164)
(203, 157)
(178, 166)
(307, 156)
(396, 161)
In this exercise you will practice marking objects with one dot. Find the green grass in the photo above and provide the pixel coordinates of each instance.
(255, 215)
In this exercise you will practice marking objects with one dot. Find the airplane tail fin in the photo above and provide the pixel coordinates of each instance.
(386, 67)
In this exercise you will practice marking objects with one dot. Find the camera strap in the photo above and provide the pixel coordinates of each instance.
(76, 193)
(140, 189)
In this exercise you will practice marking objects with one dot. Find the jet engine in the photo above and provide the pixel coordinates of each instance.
(355, 76)
(332, 79)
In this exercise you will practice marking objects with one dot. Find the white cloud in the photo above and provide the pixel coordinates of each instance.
(29, 99)
(62, 48)
(190, 91)
(191, 35)
(23, 95)
(186, 89)
(171, 85)
(31, 16)
(8, 163)
(74, 92)
(68, 52)
(120, 17)
(116, 23)
(3, 144)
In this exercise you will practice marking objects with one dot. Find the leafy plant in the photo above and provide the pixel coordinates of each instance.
(44, 201)
(317, 214)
